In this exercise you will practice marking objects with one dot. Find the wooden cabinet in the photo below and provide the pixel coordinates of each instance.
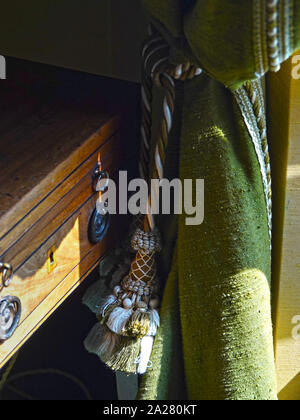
(50, 146)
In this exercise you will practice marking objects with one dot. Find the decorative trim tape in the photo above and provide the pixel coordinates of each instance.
(272, 34)
(251, 103)
(259, 31)
(286, 10)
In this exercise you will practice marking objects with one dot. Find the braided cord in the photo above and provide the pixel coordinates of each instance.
(153, 45)
(165, 81)
(254, 90)
(158, 71)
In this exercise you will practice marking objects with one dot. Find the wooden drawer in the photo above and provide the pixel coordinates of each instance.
(48, 156)
(43, 218)
(41, 291)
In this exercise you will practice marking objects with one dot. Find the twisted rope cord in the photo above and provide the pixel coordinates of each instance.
(162, 142)
(152, 45)
(254, 90)
(250, 100)
(158, 70)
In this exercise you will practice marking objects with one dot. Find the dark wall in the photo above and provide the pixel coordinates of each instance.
(95, 36)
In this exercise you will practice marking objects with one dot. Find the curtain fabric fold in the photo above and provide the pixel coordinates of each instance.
(216, 341)
(230, 39)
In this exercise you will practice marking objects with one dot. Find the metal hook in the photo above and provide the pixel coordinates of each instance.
(7, 273)
(98, 176)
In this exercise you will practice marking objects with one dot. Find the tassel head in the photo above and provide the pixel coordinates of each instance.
(128, 316)
(102, 342)
(139, 323)
(118, 320)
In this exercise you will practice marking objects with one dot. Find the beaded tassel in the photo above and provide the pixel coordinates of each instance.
(129, 311)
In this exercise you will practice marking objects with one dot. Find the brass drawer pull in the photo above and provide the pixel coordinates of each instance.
(98, 226)
(7, 273)
(10, 314)
(98, 176)
(99, 222)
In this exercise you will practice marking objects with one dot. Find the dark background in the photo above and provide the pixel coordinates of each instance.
(96, 36)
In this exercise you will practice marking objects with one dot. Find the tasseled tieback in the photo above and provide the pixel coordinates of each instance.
(129, 317)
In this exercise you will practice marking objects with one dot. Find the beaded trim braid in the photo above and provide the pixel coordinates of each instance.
(259, 31)
(251, 103)
(273, 34)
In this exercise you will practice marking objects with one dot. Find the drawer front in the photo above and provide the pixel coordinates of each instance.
(53, 272)
(48, 203)
(52, 256)
(79, 189)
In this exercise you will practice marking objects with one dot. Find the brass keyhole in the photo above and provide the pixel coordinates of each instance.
(52, 263)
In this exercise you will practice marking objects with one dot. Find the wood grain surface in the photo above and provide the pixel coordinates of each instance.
(44, 218)
(42, 292)
(37, 156)
(49, 149)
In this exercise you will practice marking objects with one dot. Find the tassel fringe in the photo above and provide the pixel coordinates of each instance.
(145, 354)
(118, 320)
(139, 324)
(124, 360)
(102, 342)
(106, 303)
(154, 323)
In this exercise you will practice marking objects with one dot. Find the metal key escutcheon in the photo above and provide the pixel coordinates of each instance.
(10, 314)
(99, 221)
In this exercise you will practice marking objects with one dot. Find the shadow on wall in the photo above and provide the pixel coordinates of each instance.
(103, 37)
(292, 389)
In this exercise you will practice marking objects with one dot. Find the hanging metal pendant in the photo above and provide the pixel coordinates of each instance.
(99, 222)
(98, 226)
(10, 314)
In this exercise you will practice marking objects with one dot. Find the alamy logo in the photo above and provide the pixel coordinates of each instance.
(166, 197)
(296, 329)
(2, 68)
(296, 68)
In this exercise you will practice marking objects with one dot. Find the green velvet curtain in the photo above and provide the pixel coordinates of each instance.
(216, 342)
